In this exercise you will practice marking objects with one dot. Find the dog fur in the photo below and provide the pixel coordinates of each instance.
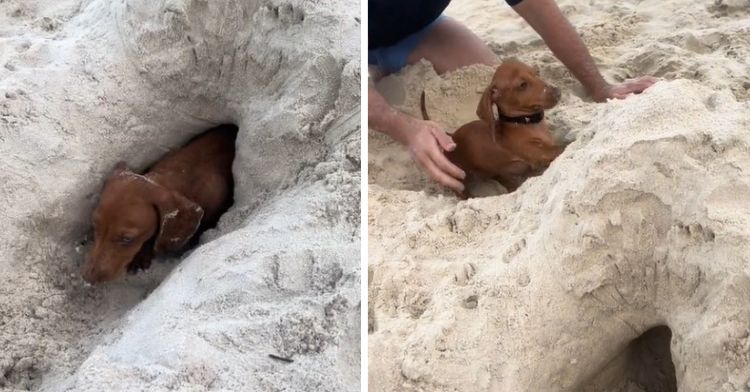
(505, 151)
(159, 212)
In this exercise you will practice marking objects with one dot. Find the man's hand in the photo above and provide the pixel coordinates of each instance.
(425, 140)
(545, 18)
(427, 144)
(622, 90)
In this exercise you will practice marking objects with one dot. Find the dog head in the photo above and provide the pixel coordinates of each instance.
(133, 210)
(516, 90)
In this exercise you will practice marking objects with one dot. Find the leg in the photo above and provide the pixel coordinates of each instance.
(449, 45)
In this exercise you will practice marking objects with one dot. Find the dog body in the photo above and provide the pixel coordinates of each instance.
(517, 153)
(159, 212)
(516, 143)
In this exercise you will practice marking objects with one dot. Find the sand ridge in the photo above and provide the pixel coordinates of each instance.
(632, 244)
(84, 84)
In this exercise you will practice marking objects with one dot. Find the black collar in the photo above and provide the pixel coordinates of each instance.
(531, 119)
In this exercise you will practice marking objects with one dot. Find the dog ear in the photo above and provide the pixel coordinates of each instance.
(179, 219)
(485, 109)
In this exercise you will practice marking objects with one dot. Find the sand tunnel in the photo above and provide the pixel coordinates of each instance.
(645, 364)
(128, 80)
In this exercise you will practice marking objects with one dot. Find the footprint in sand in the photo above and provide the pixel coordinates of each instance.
(463, 273)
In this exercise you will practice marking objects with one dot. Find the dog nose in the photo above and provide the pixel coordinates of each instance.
(91, 273)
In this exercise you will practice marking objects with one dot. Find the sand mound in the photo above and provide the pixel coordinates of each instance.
(84, 84)
(622, 268)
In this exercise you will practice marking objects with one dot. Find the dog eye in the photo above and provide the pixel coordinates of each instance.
(523, 85)
(125, 240)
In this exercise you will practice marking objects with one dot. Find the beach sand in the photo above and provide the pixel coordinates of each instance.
(84, 84)
(624, 267)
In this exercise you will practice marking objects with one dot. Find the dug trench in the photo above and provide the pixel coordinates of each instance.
(131, 80)
(60, 315)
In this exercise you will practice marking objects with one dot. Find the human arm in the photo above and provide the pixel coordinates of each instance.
(546, 18)
(426, 140)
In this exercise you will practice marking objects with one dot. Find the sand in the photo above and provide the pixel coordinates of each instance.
(624, 267)
(84, 84)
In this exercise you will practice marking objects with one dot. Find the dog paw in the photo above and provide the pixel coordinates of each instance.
(134, 267)
(464, 273)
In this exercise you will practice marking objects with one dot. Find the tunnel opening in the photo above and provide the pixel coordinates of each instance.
(166, 72)
(650, 366)
(644, 365)
(68, 311)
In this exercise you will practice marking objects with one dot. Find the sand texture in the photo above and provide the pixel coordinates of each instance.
(84, 84)
(624, 267)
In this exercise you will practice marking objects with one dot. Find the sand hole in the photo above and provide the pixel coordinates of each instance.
(72, 317)
(645, 365)
(650, 364)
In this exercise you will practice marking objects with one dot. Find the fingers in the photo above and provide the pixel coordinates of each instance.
(444, 140)
(640, 84)
(437, 174)
(631, 86)
(445, 165)
(427, 147)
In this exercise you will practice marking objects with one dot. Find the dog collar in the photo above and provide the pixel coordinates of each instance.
(531, 119)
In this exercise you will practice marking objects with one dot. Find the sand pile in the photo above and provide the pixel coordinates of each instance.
(623, 268)
(84, 84)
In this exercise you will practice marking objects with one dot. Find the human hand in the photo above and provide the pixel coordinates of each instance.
(427, 143)
(622, 90)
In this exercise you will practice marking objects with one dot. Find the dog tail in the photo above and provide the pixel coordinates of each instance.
(423, 106)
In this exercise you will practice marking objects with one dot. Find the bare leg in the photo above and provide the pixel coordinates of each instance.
(450, 45)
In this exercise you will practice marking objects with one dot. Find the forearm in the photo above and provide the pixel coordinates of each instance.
(384, 118)
(561, 37)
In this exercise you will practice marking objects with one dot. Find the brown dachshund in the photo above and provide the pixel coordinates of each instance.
(140, 216)
(516, 143)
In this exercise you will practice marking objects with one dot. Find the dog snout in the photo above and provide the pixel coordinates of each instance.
(88, 273)
(93, 272)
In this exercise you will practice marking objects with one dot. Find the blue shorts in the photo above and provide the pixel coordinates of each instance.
(392, 58)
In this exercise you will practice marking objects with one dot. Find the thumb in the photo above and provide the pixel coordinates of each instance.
(444, 140)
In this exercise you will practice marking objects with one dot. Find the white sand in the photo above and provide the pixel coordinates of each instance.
(642, 222)
(84, 84)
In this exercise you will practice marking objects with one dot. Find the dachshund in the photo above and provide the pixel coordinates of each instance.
(159, 212)
(516, 143)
